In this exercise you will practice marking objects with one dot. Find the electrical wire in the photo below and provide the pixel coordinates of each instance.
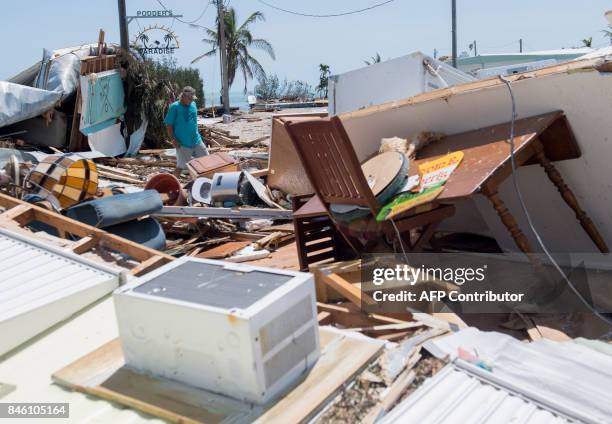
(190, 23)
(399, 238)
(331, 15)
(528, 216)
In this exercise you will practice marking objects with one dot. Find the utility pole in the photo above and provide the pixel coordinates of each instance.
(223, 48)
(454, 30)
(123, 25)
(521, 45)
(475, 47)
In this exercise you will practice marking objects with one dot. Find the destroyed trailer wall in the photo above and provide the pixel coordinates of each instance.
(30, 97)
(578, 89)
(390, 80)
(285, 170)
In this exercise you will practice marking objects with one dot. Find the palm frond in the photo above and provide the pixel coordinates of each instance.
(255, 16)
(207, 54)
(265, 46)
(212, 34)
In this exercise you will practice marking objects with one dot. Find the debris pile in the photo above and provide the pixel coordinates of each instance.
(302, 192)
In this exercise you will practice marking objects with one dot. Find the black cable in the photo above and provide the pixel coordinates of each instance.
(528, 216)
(191, 23)
(333, 15)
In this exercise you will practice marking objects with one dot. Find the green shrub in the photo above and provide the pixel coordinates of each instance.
(270, 88)
(150, 87)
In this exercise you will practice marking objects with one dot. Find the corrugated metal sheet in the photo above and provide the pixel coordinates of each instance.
(456, 396)
(572, 379)
(41, 285)
(30, 368)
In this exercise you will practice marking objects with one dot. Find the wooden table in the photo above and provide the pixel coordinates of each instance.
(486, 164)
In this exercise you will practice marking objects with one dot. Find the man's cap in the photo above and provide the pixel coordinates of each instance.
(189, 92)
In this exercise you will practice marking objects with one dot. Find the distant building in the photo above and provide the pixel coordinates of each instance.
(472, 65)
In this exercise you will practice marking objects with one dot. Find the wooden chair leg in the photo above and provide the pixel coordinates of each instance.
(569, 198)
(299, 245)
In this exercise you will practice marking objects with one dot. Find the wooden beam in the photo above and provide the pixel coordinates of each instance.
(346, 289)
(21, 213)
(325, 318)
(350, 315)
(71, 226)
(84, 244)
(148, 265)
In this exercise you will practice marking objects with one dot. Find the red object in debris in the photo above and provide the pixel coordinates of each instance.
(169, 185)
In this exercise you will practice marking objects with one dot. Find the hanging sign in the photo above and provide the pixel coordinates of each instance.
(154, 13)
(156, 40)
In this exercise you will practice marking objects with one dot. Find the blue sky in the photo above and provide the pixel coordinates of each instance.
(301, 43)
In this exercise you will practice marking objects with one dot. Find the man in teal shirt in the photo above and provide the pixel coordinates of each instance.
(182, 126)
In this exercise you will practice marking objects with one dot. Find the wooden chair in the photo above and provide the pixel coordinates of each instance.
(336, 175)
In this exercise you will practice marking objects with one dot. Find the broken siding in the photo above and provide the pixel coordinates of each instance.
(41, 285)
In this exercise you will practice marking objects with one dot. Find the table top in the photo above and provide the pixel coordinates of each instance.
(486, 153)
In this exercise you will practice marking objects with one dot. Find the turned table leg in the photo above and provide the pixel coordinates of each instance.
(508, 220)
(569, 198)
(548, 285)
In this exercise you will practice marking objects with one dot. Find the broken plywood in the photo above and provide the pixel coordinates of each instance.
(285, 170)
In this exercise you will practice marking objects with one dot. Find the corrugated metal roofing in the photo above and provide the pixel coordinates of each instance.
(41, 284)
(572, 379)
(455, 396)
(30, 367)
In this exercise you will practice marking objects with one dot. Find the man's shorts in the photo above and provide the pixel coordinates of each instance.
(185, 154)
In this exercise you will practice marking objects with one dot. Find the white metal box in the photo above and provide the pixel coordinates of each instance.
(238, 330)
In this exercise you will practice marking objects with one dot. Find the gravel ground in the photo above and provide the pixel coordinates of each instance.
(247, 128)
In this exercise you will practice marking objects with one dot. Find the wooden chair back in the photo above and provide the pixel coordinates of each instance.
(331, 162)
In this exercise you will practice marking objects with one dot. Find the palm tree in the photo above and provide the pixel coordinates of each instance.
(324, 74)
(608, 33)
(587, 42)
(238, 39)
(144, 38)
(374, 59)
(168, 38)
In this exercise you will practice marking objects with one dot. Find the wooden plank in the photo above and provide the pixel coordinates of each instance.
(62, 223)
(394, 392)
(339, 363)
(346, 289)
(75, 133)
(325, 318)
(22, 213)
(148, 265)
(350, 315)
(84, 244)
(103, 373)
(387, 327)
